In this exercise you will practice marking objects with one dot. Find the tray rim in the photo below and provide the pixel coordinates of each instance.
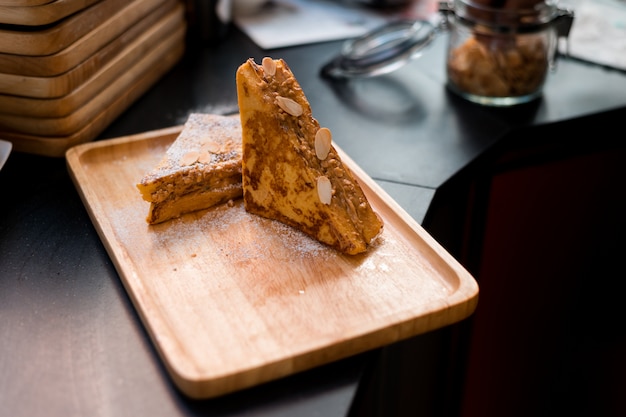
(164, 35)
(24, 3)
(65, 32)
(41, 14)
(84, 47)
(463, 300)
(23, 95)
(56, 146)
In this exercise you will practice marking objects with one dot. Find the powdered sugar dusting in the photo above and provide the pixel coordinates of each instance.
(261, 238)
(199, 132)
(229, 231)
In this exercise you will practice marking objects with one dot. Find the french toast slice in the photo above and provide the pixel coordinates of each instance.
(200, 169)
(291, 171)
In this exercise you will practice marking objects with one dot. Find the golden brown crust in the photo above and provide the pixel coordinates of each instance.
(282, 171)
(201, 168)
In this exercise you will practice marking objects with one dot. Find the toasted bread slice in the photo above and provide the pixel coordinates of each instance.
(291, 171)
(200, 169)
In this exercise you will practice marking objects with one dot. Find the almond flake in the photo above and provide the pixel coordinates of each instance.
(212, 147)
(323, 139)
(289, 106)
(205, 158)
(324, 189)
(269, 66)
(189, 158)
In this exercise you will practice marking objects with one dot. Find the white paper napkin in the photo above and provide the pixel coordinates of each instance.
(599, 32)
(282, 23)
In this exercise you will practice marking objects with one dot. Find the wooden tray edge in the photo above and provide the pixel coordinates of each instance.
(56, 146)
(65, 32)
(41, 14)
(69, 57)
(58, 91)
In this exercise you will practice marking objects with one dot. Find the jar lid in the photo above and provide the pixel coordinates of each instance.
(382, 50)
(498, 16)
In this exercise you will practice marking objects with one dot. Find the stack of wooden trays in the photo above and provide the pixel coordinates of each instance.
(68, 68)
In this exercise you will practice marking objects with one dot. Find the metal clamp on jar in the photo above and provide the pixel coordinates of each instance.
(497, 55)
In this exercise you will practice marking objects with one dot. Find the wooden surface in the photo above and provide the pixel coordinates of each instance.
(100, 42)
(54, 38)
(102, 89)
(93, 118)
(22, 3)
(49, 97)
(231, 300)
(31, 14)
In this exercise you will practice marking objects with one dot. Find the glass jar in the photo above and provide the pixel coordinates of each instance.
(501, 56)
(498, 56)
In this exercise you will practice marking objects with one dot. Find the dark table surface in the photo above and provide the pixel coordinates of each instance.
(71, 343)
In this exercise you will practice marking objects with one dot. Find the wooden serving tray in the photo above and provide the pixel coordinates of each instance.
(101, 41)
(24, 2)
(232, 300)
(51, 39)
(41, 14)
(105, 86)
(134, 83)
(51, 97)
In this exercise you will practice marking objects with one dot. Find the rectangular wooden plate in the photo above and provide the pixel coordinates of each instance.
(104, 108)
(14, 110)
(121, 28)
(50, 39)
(23, 3)
(22, 95)
(232, 300)
(109, 83)
(41, 14)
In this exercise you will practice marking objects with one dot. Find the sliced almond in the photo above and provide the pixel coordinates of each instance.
(205, 158)
(212, 147)
(289, 106)
(269, 66)
(324, 189)
(189, 158)
(323, 139)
